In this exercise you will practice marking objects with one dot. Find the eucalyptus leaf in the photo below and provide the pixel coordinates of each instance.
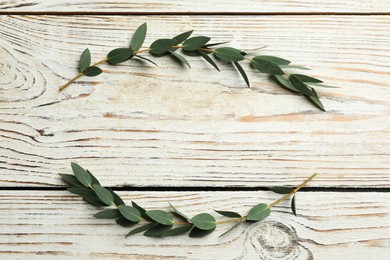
(179, 213)
(124, 222)
(283, 82)
(160, 216)
(85, 60)
(230, 229)
(306, 79)
(82, 175)
(281, 189)
(130, 213)
(108, 213)
(294, 67)
(119, 55)
(300, 86)
(83, 192)
(204, 221)
(138, 37)
(180, 58)
(94, 180)
(157, 231)
(141, 229)
(71, 180)
(209, 59)
(273, 59)
(92, 71)
(228, 54)
(177, 231)
(95, 201)
(141, 210)
(266, 66)
(195, 43)
(214, 44)
(242, 72)
(258, 212)
(146, 59)
(196, 232)
(321, 85)
(293, 209)
(117, 200)
(182, 37)
(103, 194)
(229, 214)
(161, 46)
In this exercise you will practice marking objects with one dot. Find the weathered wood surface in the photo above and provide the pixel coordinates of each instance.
(329, 225)
(170, 126)
(213, 6)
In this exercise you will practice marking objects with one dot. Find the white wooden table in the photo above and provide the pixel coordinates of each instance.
(196, 138)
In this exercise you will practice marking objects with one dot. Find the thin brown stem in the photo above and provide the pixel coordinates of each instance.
(71, 81)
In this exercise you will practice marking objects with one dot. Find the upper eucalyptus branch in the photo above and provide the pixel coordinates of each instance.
(160, 223)
(200, 46)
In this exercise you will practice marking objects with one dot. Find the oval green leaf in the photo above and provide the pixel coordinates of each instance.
(228, 54)
(103, 194)
(177, 231)
(138, 37)
(281, 189)
(208, 59)
(204, 221)
(71, 180)
(160, 216)
(315, 100)
(305, 78)
(283, 82)
(196, 232)
(242, 72)
(273, 59)
(82, 175)
(92, 71)
(117, 200)
(119, 55)
(229, 214)
(258, 212)
(85, 60)
(300, 86)
(124, 222)
(161, 46)
(157, 231)
(130, 213)
(266, 66)
(108, 213)
(195, 43)
(141, 229)
(179, 213)
(180, 59)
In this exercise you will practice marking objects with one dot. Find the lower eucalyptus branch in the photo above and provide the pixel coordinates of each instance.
(200, 46)
(160, 223)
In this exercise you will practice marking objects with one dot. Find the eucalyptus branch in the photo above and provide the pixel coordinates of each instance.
(200, 46)
(160, 223)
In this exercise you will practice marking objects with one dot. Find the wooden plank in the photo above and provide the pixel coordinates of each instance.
(170, 126)
(212, 6)
(53, 223)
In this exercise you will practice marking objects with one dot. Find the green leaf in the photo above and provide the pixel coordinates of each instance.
(130, 213)
(182, 37)
(141, 210)
(124, 222)
(180, 58)
(266, 66)
(196, 232)
(83, 192)
(117, 200)
(293, 209)
(108, 213)
(273, 59)
(179, 213)
(160, 216)
(92, 71)
(119, 55)
(229, 214)
(315, 100)
(141, 229)
(230, 229)
(95, 201)
(161, 46)
(204, 221)
(228, 54)
(242, 72)
(258, 212)
(177, 231)
(321, 85)
(300, 86)
(214, 44)
(282, 81)
(82, 176)
(281, 189)
(209, 60)
(94, 180)
(306, 79)
(85, 60)
(157, 231)
(71, 180)
(294, 67)
(148, 60)
(103, 194)
(138, 37)
(195, 43)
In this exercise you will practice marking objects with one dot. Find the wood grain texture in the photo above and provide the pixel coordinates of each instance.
(170, 126)
(44, 224)
(212, 6)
